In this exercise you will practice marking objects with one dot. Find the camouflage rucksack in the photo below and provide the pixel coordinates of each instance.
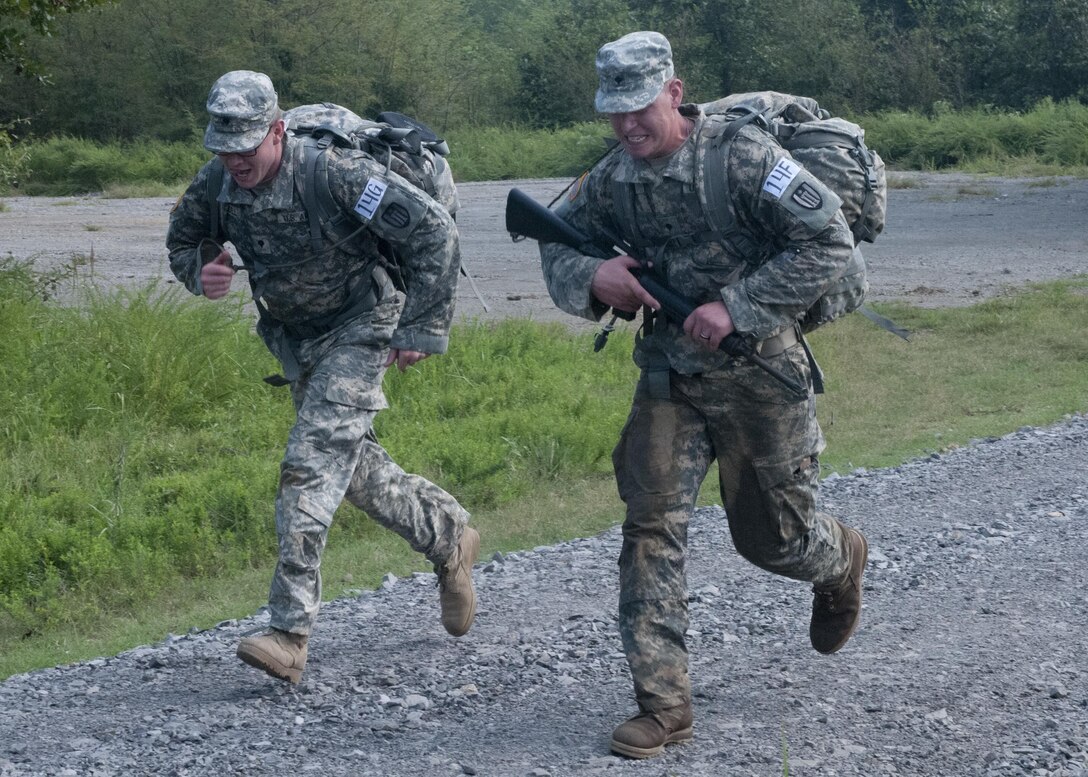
(832, 149)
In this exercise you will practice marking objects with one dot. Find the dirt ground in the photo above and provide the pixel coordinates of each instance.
(951, 239)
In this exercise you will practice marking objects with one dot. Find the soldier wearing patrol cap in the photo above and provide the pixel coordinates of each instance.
(694, 404)
(336, 321)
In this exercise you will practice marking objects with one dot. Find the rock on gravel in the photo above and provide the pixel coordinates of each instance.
(971, 658)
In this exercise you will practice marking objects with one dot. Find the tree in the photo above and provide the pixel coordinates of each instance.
(20, 18)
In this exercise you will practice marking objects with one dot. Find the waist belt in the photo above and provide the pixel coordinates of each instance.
(379, 287)
(782, 341)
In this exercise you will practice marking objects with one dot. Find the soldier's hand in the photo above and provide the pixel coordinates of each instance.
(216, 275)
(615, 286)
(709, 324)
(404, 358)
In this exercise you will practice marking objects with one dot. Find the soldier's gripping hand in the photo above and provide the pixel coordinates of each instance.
(216, 275)
(709, 324)
(615, 286)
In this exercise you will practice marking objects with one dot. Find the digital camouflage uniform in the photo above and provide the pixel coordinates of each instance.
(331, 319)
(691, 406)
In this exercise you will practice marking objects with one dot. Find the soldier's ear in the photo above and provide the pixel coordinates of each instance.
(676, 92)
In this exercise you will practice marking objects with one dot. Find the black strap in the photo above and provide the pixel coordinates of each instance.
(213, 185)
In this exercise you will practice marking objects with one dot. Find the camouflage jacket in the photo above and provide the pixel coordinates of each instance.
(784, 256)
(297, 286)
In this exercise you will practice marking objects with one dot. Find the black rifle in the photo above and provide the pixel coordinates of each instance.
(525, 217)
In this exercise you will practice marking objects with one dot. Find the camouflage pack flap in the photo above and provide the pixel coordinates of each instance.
(407, 147)
(770, 105)
(831, 148)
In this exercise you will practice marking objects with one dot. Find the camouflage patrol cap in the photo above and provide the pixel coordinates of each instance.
(633, 70)
(241, 107)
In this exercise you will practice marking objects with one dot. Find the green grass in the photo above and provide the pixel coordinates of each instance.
(966, 373)
(141, 447)
(1051, 139)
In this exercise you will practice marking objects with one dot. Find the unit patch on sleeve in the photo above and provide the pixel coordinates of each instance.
(807, 197)
(396, 215)
(371, 198)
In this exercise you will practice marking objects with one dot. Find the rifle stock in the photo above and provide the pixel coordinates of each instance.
(526, 218)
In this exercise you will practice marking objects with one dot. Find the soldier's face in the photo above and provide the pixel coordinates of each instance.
(655, 131)
(252, 170)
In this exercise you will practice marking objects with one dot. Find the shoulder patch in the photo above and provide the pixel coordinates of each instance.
(807, 197)
(396, 215)
(371, 198)
(781, 177)
(803, 195)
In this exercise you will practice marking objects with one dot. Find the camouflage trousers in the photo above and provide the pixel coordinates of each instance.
(766, 443)
(332, 454)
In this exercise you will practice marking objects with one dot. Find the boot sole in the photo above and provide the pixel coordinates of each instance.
(630, 751)
(860, 570)
(473, 552)
(263, 661)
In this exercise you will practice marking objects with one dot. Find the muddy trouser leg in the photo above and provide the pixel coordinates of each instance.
(430, 519)
(335, 407)
(661, 459)
(768, 443)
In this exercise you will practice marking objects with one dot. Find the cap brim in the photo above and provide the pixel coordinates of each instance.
(233, 142)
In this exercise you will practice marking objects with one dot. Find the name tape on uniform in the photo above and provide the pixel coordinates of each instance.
(781, 177)
(371, 198)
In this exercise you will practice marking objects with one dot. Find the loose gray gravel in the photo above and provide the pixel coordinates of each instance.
(971, 658)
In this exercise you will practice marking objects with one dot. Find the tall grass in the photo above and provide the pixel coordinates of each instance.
(501, 153)
(1053, 135)
(64, 166)
(139, 446)
(1051, 138)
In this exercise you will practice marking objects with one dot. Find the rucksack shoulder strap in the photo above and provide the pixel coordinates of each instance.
(623, 195)
(317, 198)
(712, 177)
(213, 185)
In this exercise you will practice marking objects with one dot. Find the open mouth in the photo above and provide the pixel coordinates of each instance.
(241, 174)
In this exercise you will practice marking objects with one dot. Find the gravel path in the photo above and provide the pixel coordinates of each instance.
(970, 660)
(951, 239)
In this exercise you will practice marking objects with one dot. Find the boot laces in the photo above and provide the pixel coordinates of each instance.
(826, 598)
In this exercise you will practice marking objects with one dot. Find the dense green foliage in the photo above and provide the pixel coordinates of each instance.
(22, 19)
(1052, 139)
(129, 69)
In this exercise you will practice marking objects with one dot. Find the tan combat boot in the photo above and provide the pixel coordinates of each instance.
(456, 593)
(646, 734)
(836, 610)
(280, 653)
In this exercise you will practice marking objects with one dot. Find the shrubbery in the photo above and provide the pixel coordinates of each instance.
(1052, 135)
